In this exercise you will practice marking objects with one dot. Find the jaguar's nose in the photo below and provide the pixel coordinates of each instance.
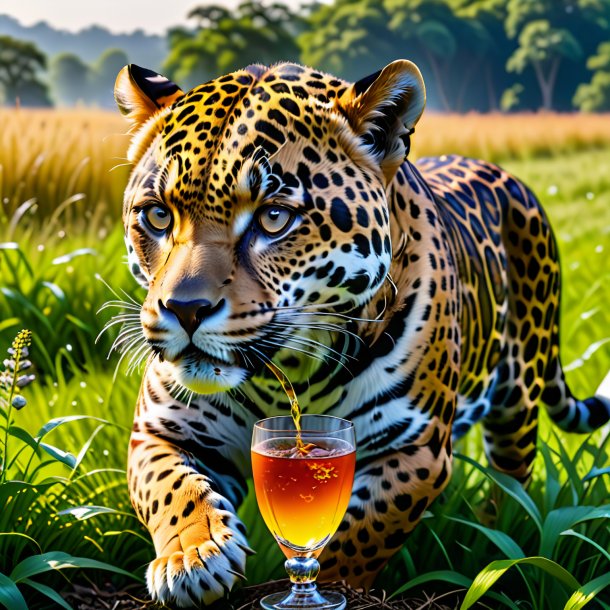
(190, 314)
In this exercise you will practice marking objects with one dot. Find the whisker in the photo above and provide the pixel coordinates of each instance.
(318, 357)
(115, 293)
(309, 341)
(299, 309)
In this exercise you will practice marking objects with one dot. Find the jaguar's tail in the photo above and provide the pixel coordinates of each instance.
(568, 412)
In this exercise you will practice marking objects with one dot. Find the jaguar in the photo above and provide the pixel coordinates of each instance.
(273, 215)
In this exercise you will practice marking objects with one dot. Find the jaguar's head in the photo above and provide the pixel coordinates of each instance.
(256, 201)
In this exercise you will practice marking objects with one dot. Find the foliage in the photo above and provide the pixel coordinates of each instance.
(36, 478)
(69, 77)
(103, 75)
(74, 82)
(595, 95)
(470, 52)
(20, 65)
(228, 40)
(543, 47)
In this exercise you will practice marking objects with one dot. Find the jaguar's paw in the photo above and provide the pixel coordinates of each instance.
(211, 559)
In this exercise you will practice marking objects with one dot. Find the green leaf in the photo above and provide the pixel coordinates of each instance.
(21, 535)
(503, 541)
(576, 534)
(79, 323)
(552, 485)
(86, 512)
(57, 560)
(12, 488)
(510, 486)
(9, 322)
(583, 595)
(487, 577)
(66, 258)
(25, 436)
(61, 456)
(595, 472)
(561, 519)
(50, 593)
(448, 576)
(60, 421)
(10, 596)
(85, 448)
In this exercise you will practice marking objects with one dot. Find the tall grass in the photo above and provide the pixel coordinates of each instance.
(60, 232)
(499, 137)
(68, 166)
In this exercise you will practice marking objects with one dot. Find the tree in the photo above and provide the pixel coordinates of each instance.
(228, 40)
(103, 75)
(354, 37)
(21, 63)
(572, 29)
(595, 95)
(483, 56)
(69, 77)
(543, 47)
(349, 38)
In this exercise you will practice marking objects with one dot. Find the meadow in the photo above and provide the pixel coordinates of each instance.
(65, 515)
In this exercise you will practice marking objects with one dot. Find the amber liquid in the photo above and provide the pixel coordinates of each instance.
(303, 499)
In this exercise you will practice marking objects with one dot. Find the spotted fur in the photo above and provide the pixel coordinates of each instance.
(414, 300)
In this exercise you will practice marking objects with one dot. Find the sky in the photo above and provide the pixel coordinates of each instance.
(153, 16)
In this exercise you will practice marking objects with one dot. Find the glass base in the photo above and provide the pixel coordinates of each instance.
(304, 596)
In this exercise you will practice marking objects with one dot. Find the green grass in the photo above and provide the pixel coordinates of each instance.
(49, 283)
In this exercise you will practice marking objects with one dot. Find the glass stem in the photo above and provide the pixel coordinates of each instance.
(303, 572)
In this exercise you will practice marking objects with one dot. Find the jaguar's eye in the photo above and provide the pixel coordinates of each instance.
(275, 219)
(157, 217)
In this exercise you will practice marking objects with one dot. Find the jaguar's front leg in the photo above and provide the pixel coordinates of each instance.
(200, 544)
(390, 495)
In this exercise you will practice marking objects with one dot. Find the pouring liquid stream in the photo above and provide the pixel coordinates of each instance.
(295, 409)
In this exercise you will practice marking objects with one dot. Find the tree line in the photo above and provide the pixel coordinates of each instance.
(475, 55)
(28, 78)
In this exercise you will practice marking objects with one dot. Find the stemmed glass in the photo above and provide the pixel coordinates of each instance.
(303, 486)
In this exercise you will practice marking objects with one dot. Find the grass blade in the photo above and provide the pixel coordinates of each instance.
(48, 592)
(21, 535)
(448, 576)
(86, 512)
(65, 457)
(583, 595)
(10, 596)
(57, 560)
(510, 486)
(488, 576)
(503, 541)
(565, 518)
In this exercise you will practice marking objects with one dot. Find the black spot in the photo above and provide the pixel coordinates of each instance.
(188, 509)
(311, 155)
(349, 548)
(290, 105)
(418, 509)
(394, 540)
(340, 215)
(320, 180)
(362, 244)
(403, 501)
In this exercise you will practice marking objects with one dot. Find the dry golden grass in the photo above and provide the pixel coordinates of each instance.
(514, 136)
(64, 159)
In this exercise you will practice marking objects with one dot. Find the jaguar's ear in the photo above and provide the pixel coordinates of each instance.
(383, 109)
(139, 93)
